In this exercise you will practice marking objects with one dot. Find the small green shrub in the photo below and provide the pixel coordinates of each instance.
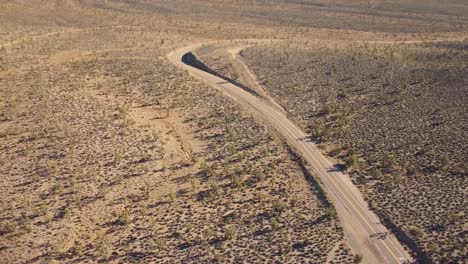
(279, 206)
(275, 225)
(231, 233)
(209, 233)
(377, 174)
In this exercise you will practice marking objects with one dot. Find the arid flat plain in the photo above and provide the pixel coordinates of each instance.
(248, 131)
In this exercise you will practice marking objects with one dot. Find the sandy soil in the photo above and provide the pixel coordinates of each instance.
(109, 154)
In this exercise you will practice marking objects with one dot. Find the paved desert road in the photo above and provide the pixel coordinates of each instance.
(361, 226)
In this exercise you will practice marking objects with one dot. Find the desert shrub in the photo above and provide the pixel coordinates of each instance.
(318, 129)
(218, 258)
(433, 248)
(172, 196)
(389, 162)
(397, 178)
(48, 217)
(8, 227)
(123, 111)
(279, 206)
(42, 209)
(258, 176)
(249, 207)
(445, 160)
(3, 134)
(35, 178)
(195, 183)
(57, 188)
(357, 259)
(330, 212)
(27, 224)
(144, 168)
(67, 212)
(295, 200)
(193, 158)
(410, 170)
(236, 181)
(125, 218)
(416, 232)
(206, 170)
(77, 199)
(453, 217)
(330, 107)
(377, 174)
(209, 233)
(261, 196)
(158, 243)
(275, 225)
(230, 233)
(215, 189)
(351, 161)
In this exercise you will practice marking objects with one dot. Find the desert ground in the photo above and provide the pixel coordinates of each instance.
(109, 153)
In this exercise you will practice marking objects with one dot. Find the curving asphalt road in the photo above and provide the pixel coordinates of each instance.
(363, 230)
